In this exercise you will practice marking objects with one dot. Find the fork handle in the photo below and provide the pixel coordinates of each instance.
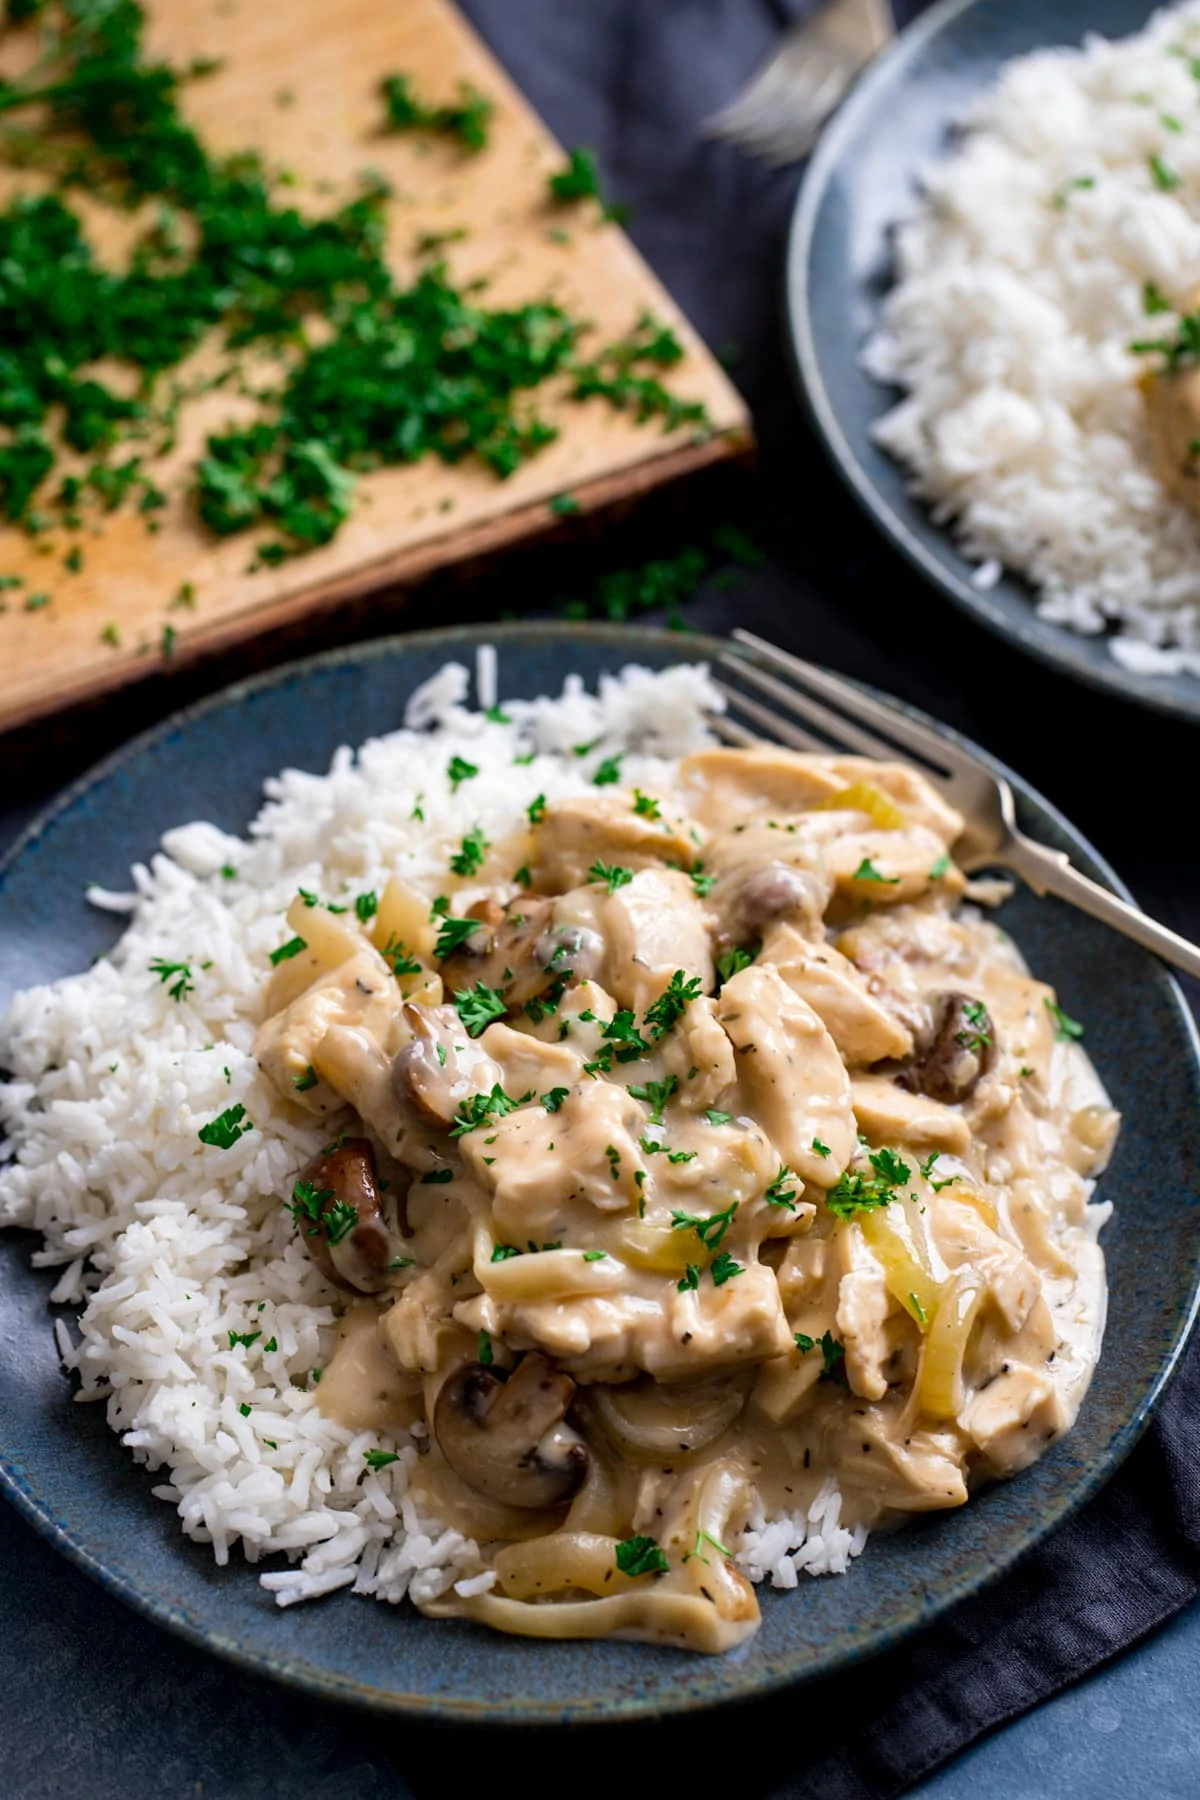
(1050, 872)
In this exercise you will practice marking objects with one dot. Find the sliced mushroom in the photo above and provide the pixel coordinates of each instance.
(440, 1066)
(356, 1256)
(507, 1436)
(649, 1422)
(960, 1052)
(504, 951)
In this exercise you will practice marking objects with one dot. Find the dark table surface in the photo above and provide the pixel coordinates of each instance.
(96, 1701)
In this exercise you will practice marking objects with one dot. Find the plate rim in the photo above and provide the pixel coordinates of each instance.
(308, 1676)
(1054, 646)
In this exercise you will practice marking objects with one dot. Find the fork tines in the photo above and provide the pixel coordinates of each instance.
(821, 711)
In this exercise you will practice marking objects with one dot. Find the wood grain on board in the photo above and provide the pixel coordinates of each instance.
(300, 84)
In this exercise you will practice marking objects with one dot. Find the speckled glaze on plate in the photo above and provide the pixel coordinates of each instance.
(64, 1470)
(863, 178)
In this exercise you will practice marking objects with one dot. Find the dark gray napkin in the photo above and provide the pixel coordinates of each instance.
(635, 79)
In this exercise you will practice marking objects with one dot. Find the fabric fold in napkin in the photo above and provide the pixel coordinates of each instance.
(636, 79)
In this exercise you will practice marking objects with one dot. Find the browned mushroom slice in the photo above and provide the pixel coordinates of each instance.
(336, 1203)
(522, 951)
(440, 1066)
(507, 1437)
(959, 1053)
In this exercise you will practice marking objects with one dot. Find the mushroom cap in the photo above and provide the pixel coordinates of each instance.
(356, 1259)
(507, 1436)
(959, 1053)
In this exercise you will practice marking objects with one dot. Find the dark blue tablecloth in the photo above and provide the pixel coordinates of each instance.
(634, 78)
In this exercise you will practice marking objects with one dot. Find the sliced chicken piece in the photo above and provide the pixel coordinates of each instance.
(887, 1114)
(671, 1335)
(539, 1166)
(884, 867)
(653, 927)
(526, 1062)
(361, 994)
(903, 1469)
(700, 1056)
(576, 833)
(862, 1311)
(790, 1070)
(860, 1025)
(724, 788)
(1014, 1418)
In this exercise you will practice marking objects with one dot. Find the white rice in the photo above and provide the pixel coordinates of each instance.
(1018, 295)
(170, 1245)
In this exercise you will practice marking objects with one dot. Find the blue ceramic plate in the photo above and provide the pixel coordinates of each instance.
(70, 1477)
(863, 178)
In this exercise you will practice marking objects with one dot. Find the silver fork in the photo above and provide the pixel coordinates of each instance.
(779, 115)
(825, 712)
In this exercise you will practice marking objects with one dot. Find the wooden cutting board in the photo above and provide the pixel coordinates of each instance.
(300, 83)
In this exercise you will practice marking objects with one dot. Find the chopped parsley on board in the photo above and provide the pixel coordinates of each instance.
(396, 370)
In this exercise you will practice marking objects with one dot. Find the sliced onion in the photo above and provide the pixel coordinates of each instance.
(649, 1420)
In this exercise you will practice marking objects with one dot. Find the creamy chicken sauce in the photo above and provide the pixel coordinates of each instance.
(719, 1152)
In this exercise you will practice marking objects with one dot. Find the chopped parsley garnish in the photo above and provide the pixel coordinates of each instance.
(379, 1459)
(975, 1036)
(1154, 300)
(245, 1410)
(612, 875)
(467, 119)
(623, 1033)
(399, 960)
(614, 1160)
(641, 1556)
(470, 855)
(452, 934)
(458, 770)
(918, 1309)
(302, 1083)
(645, 806)
(656, 1094)
(710, 1230)
(940, 867)
(1164, 175)
(481, 1109)
(717, 1118)
(285, 952)
(702, 884)
(1181, 352)
(436, 1177)
(1064, 1028)
(485, 1354)
(926, 1169)
(225, 1130)
(594, 1255)
(705, 1537)
(580, 180)
(563, 505)
(832, 1353)
(536, 810)
(672, 1003)
(780, 1193)
(1076, 184)
(854, 1192)
(502, 1252)
(609, 772)
(553, 1100)
(732, 962)
(478, 1006)
(497, 715)
(866, 871)
(723, 1269)
(246, 1338)
(689, 1282)
(821, 1149)
(178, 974)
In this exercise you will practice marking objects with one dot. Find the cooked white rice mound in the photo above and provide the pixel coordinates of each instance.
(1021, 284)
(203, 1318)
